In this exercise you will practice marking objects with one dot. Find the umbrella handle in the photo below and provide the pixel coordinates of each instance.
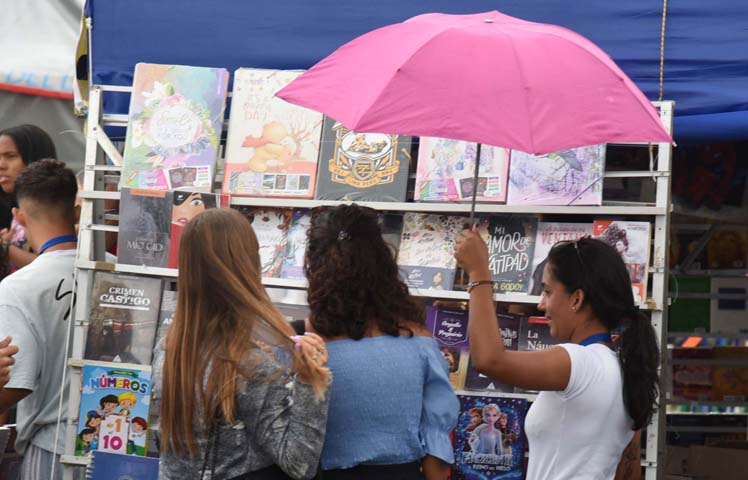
(475, 185)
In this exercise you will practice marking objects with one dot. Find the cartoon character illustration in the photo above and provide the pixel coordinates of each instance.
(84, 444)
(136, 442)
(487, 438)
(476, 419)
(126, 401)
(269, 151)
(107, 405)
(93, 421)
(507, 434)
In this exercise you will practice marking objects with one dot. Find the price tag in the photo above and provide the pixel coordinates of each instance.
(114, 434)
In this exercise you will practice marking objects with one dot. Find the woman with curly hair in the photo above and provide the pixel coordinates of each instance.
(377, 342)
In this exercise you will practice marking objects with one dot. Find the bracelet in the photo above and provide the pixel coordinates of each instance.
(472, 285)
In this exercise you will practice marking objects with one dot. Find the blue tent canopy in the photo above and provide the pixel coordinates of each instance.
(705, 59)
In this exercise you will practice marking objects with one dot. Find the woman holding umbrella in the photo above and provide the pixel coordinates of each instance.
(593, 398)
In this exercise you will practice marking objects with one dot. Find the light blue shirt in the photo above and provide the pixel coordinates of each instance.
(390, 402)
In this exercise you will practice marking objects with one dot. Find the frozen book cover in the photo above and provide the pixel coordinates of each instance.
(449, 326)
(184, 207)
(426, 254)
(144, 227)
(632, 241)
(511, 245)
(356, 166)
(509, 325)
(272, 146)
(569, 177)
(296, 239)
(489, 439)
(123, 318)
(549, 233)
(446, 171)
(115, 402)
(174, 129)
(271, 228)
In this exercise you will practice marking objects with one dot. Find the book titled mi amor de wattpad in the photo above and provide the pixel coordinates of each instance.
(511, 245)
(174, 128)
(272, 145)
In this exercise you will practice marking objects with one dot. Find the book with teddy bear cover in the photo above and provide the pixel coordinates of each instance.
(272, 145)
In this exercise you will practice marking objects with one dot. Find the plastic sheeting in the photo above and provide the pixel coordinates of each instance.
(706, 62)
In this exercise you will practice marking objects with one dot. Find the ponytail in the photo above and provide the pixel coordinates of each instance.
(640, 357)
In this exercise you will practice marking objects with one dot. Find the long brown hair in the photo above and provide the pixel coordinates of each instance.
(222, 310)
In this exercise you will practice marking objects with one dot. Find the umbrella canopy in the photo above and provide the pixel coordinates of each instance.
(487, 78)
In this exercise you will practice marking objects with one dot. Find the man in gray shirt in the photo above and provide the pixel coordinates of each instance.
(35, 306)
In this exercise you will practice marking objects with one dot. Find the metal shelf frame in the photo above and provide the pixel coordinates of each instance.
(103, 160)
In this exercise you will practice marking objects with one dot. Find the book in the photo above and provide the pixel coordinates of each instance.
(123, 318)
(174, 128)
(632, 241)
(548, 234)
(144, 227)
(392, 229)
(535, 334)
(184, 207)
(271, 228)
(110, 466)
(569, 177)
(446, 171)
(296, 240)
(511, 246)
(114, 408)
(509, 325)
(272, 146)
(356, 166)
(426, 254)
(489, 439)
(449, 326)
(166, 314)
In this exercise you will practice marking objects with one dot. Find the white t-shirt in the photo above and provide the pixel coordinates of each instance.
(35, 310)
(580, 432)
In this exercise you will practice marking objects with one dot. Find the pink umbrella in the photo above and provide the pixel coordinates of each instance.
(487, 78)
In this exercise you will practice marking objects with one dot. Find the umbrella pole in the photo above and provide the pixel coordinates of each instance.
(475, 185)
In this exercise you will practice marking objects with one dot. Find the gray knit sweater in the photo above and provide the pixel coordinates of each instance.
(278, 422)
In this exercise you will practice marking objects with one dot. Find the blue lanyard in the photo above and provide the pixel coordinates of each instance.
(56, 241)
(598, 337)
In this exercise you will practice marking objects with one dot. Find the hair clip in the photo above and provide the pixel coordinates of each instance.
(343, 235)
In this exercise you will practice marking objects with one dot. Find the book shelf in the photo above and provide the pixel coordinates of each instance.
(103, 161)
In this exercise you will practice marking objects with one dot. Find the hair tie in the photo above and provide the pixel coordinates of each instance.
(343, 235)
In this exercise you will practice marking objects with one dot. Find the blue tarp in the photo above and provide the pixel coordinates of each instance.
(706, 59)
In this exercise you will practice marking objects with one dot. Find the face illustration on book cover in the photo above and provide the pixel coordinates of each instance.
(123, 318)
(174, 129)
(115, 403)
(569, 177)
(185, 206)
(293, 259)
(632, 242)
(144, 227)
(271, 228)
(509, 325)
(489, 439)
(426, 254)
(446, 170)
(272, 146)
(362, 166)
(549, 233)
(511, 245)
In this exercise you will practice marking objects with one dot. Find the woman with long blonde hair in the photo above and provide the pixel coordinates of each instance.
(240, 396)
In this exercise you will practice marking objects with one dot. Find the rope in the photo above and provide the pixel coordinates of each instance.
(662, 47)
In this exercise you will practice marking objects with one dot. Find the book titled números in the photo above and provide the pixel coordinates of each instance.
(123, 318)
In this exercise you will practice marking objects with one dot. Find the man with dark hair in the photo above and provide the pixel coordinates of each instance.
(35, 306)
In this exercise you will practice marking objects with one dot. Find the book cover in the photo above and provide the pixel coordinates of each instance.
(427, 245)
(632, 241)
(115, 402)
(509, 324)
(569, 177)
(535, 334)
(166, 314)
(489, 439)
(392, 229)
(549, 233)
(293, 259)
(449, 326)
(174, 128)
(511, 246)
(271, 228)
(123, 318)
(144, 227)
(357, 166)
(185, 206)
(272, 146)
(110, 466)
(446, 171)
